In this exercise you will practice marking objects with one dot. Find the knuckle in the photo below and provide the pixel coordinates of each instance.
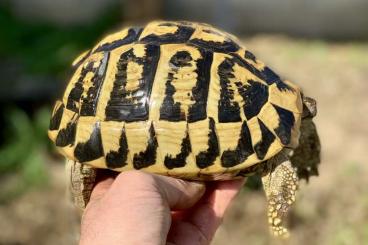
(135, 180)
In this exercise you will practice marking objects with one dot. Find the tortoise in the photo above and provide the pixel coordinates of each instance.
(186, 100)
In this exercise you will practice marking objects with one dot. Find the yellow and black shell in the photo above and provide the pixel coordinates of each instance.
(175, 98)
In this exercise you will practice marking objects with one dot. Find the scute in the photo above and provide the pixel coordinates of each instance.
(90, 149)
(176, 98)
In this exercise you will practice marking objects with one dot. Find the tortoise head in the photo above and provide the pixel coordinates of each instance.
(309, 107)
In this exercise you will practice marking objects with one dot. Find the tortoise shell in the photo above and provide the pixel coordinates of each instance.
(174, 98)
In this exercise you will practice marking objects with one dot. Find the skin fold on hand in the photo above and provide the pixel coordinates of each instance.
(140, 208)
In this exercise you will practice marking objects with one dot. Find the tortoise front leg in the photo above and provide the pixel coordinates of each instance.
(81, 179)
(280, 185)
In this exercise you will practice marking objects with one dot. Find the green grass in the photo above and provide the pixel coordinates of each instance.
(44, 48)
(22, 157)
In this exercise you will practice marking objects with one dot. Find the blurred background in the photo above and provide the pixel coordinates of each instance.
(321, 45)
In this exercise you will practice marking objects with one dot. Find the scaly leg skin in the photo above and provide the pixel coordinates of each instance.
(280, 185)
(81, 179)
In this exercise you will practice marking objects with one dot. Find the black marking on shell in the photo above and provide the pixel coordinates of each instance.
(133, 36)
(243, 63)
(266, 74)
(76, 92)
(180, 59)
(286, 123)
(180, 159)
(81, 60)
(56, 118)
(89, 102)
(170, 110)
(262, 146)
(133, 105)
(255, 96)
(180, 36)
(147, 157)
(198, 111)
(228, 110)
(66, 136)
(271, 77)
(92, 148)
(244, 149)
(250, 56)
(228, 46)
(118, 159)
(208, 157)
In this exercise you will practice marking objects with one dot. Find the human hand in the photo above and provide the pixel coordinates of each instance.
(141, 208)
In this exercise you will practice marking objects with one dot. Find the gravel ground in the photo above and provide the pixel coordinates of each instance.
(331, 209)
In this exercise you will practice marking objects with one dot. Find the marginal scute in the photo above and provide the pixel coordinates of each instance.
(208, 157)
(148, 157)
(286, 123)
(66, 136)
(243, 150)
(173, 141)
(56, 116)
(119, 39)
(272, 78)
(249, 55)
(289, 100)
(212, 39)
(92, 148)
(166, 32)
(81, 58)
(118, 159)
(262, 147)
(179, 160)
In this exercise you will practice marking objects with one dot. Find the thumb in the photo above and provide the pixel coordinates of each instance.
(177, 193)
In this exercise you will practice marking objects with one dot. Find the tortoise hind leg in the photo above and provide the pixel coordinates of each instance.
(280, 184)
(306, 157)
(81, 180)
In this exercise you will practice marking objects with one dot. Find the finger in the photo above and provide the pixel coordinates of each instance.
(202, 221)
(180, 194)
(177, 193)
(104, 180)
(223, 195)
(209, 213)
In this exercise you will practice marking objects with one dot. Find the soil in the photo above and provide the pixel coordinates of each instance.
(330, 209)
